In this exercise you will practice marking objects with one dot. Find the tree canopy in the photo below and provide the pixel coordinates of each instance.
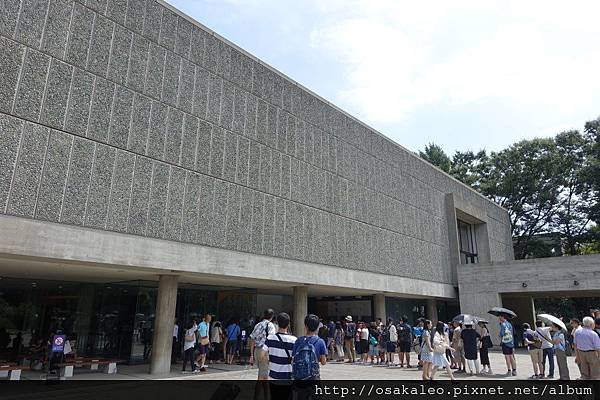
(548, 185)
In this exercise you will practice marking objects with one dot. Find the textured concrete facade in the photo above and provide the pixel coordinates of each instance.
(126, 116)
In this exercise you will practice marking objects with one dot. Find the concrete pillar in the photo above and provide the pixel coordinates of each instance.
(166, 301)
(379, 307)
(432, 312)
(300, 309)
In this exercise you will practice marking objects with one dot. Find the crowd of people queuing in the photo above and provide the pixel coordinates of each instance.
(458, 347)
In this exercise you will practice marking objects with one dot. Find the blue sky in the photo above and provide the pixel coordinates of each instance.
(463, 74)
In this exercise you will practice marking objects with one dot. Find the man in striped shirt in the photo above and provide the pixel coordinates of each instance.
(280, 358)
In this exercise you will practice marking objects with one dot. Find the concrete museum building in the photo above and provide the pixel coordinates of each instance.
(150, 169)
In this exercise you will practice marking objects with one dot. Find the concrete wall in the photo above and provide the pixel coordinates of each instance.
(482, 286)
(127, 116)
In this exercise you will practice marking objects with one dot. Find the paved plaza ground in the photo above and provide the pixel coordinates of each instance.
(332, 370)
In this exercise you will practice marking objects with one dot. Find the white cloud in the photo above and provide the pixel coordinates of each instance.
(401, 56)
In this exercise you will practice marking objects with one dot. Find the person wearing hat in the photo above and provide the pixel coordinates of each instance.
(470, 339)
(349, 333)
(558, 340)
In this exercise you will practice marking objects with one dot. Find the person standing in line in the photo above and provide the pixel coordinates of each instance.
(558, 339)
(189, 340)
(308, 352)
(426, 350)
(507, 344)
(486, 344)
(547, 348)
(440, 344)
(259, 352)
(470, 339)
(281, 345)
(364, 342)
(373, 343)
(339, 341)
(203, 342)
(588, 350)
(417, 343)
(405, 339)
(576, 327)
(349, 332)
(391, 340)
(534, 343)
(330, 339)
(175, 348)
(457, 345)
(216, 339)
(231, 343)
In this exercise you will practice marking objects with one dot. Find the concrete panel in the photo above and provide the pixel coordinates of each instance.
(230, 156)
(258, 204)
(174, 136)
(54, 106)
(54, 176)
(138, 61)
(140, 196)
(31, 22)
(158, 200)
(10, 135)
(101, 109)
(219, 233)
(80, 98)
(120, 192)
(78, 182)
(134, 17)
(99, 197)
(216, 151)
(80, 34)
(118, 135)
(226, 114)
(189, 141)
(116, 10)
(119, 55)
(214, 98)
(28, 170)
(101, 39)
(239, 111)
(185, 100)
(253, 164)
(170, 84)
(157, 131)
(168, 29)
(233, 216)
(203, 148)
(197, 45)
(174, 212)
(155, 71)
(9, 15)
(183, 37)
(205, 215)
(140, 124)
(152, 20)
(191, 206)
(30, 92)
(11, 57)
(56, 30)
(200, 101)
(243, 148)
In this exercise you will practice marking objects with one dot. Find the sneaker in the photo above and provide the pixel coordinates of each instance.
(508, 373)
(514, 372)
(196, 371)
(184, 372)
(203, 369)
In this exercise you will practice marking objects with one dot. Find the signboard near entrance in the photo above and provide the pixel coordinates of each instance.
(58, 343)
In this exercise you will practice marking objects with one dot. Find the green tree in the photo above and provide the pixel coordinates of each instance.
(469, 167)
(435, 155)
(525, 179)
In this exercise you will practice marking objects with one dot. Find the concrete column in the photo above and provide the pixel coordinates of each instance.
(379, 307)
(166, 301)
(300, 309)
(432, 313)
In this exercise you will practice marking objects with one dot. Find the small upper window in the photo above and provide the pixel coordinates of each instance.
(467, 243)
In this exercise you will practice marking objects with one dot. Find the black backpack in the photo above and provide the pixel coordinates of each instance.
(404, 333)
(350, 331)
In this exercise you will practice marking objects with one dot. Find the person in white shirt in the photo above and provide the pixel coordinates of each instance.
(547, 348)
(176, 347)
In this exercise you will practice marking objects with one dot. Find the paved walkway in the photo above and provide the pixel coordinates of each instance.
(329, 371)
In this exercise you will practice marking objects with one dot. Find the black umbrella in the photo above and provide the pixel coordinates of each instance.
(498, 311)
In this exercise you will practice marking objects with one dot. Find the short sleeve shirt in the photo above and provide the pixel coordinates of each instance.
(561, 343)
(233, 331)
(203, 329)
(504, 327)
(320, 347)
(261, 331)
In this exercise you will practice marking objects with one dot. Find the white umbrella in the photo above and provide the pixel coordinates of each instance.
(547, 318)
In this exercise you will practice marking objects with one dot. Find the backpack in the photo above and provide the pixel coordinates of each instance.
(385, 335)
(350, 330)
(404, 333)
(306, 365)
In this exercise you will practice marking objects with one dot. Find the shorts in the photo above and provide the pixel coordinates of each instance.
(537, 356)
(364, 346)
(507, 351)
(405, 347)
(373, 350)
(202, 349)
(391, 347)
(231, 346)
(261, 360)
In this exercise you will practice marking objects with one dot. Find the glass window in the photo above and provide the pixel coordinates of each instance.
(467, 243)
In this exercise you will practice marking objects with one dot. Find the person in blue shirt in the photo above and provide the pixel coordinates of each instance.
(507, 339)
(231, 344)
(203, 342)
(558, 340)
(311, 323)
